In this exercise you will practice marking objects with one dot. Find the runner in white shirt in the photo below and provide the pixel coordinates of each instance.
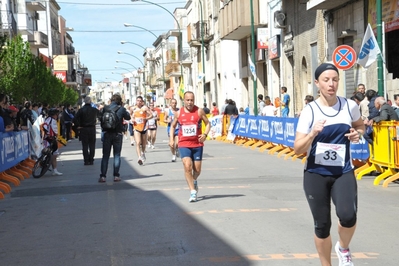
(152, 127)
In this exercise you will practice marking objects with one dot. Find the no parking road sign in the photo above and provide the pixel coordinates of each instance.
(344, 57)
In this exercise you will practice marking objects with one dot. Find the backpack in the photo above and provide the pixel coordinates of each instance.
(109, 119)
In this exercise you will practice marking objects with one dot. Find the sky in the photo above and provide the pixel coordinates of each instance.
(98, 31)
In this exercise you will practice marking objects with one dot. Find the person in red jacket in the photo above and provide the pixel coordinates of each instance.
(215, 109)
(191, 140)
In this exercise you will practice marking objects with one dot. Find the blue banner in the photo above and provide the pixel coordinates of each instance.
(360, 150)
(280, 130)
(14, 147)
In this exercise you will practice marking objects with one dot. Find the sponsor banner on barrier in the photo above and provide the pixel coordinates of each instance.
(279, 130)
(360, 151)
(282, 130)
(216, 123)
(230, 135)
(14, 148)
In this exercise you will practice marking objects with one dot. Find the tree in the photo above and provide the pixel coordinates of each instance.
(24, 76)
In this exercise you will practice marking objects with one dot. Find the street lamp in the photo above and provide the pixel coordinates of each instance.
(156, 37)
(131, 25)
(129, 71)
(202, 50)
(120, 52)
(123, 42)
(179, 39)
(118, 61)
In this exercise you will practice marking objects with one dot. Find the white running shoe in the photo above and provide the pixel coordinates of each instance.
(193, 196)
(344, 257)
(55, 172)
(140, 161)
(173, 158)
(143, 157)
(152, 147)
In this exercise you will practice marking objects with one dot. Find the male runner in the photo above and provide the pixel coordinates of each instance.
(141, 114)
(191, 140)
(169, 115)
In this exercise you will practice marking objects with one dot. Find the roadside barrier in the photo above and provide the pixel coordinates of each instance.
(384, 154)
(14, 147)
(276, 135)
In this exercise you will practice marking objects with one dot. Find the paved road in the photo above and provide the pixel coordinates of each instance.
(251, 211)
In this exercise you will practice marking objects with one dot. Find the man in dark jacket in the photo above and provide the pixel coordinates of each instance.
(387, 113)
(113, 138)
(371, 96)
(85, 121)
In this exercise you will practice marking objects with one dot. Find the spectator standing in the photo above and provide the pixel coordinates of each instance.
(85, 121)
(26, 114)
(206, 109)
(325, 130)
(113, 138)
(35, 111)
(285, 102)
(231, 108)
(261, 104)
(361, 88)
(68, 117)
(396, 103)
(226, 102)
(2, 128)
(215, 110)
(371, 95)
(362, 101)
(246, 110)
(13, 114)
(269, 109)
(7, 122)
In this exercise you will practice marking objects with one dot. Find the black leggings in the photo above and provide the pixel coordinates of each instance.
(320, 189)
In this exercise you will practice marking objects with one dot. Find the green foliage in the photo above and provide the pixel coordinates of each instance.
(24, 76)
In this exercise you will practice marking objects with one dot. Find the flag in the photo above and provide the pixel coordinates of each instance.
(181, 89)
(252, 67)
(369, 49)
(201, 76)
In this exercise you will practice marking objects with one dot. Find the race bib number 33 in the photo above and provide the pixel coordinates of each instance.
(189, 130)
(330, 154)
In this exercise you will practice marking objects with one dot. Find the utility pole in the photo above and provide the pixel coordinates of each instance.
(380, 66)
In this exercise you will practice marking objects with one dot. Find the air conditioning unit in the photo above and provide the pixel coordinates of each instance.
(279, 20)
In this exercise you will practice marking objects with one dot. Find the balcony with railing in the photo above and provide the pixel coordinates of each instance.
(195, 34)
(235, 19)
(324, 4)
(8, 24)
(38, 40)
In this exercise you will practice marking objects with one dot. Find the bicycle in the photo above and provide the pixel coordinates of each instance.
(43, 163)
